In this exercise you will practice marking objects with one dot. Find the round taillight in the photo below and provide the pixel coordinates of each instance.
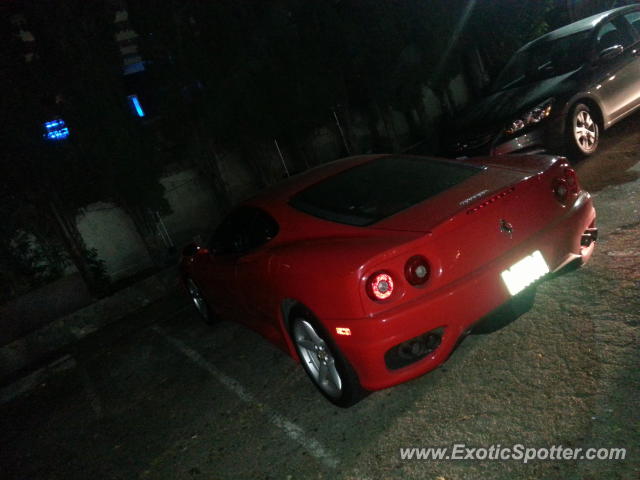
(380, 286)
(571, 178)
(417, 270)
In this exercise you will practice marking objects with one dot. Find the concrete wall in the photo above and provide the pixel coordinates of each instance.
(400, 127)
(112, 232)
(271, 163)
(192, 200)
(431, 103)
(241, 181)
(393, 126)
(108, 229)
(460, 92)
(325, 144)
(361, 137)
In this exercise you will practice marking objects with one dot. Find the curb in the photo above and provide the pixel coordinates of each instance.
(32, 350)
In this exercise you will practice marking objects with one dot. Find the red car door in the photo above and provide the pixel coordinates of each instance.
(256, 288)
(216, 277)
(237, 273)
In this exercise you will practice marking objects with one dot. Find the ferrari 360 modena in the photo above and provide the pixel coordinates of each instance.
(370, 270)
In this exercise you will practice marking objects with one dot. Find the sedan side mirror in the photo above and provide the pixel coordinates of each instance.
(611, 52)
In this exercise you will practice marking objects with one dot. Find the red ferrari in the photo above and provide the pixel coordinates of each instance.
(369, 270)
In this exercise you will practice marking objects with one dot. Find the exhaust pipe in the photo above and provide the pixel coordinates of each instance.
(589, 236)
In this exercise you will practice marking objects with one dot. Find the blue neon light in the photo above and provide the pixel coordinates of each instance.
(56, 130)
(136, 104)
(58, 134)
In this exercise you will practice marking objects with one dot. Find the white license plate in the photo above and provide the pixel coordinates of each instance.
(524, 272)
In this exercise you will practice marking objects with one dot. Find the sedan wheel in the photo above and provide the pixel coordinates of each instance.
(584, 130)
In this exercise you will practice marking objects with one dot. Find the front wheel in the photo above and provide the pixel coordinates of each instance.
(199, 302)
(583, 132)
(327, 368)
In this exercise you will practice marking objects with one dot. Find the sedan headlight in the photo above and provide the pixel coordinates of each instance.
(532, 117)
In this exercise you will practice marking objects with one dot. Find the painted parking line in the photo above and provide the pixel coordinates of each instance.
(293, 431)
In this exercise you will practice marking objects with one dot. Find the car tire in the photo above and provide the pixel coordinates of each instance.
(201, 305)
(326, 366)
(583, 131)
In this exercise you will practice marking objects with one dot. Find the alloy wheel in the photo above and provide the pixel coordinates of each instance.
(585, 131)
(317, 358)
(197, 299)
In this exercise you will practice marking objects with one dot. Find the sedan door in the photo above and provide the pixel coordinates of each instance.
(618, 79)
(633, 19)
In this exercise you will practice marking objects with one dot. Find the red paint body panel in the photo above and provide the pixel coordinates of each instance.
(325, 265)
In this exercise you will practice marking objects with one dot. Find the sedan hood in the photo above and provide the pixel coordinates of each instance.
(505, 105)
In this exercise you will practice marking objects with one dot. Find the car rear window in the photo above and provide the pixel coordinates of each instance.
(373, 191)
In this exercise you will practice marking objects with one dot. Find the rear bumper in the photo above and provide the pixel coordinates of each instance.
(456, 307)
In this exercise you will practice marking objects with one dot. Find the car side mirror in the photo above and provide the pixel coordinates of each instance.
(611, 52)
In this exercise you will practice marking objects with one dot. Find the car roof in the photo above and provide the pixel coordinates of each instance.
(583, 25)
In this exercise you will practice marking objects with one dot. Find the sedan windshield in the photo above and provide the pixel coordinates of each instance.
(544, 60)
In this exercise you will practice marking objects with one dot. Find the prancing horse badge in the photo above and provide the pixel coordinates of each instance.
(506, 228)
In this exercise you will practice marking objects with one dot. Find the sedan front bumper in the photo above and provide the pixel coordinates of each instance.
(530, 143)
(547, 137)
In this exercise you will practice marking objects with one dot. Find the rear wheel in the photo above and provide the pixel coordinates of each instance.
(583, 132)
(327, 368)
(199, 302)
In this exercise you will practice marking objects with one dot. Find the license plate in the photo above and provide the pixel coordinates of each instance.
(524, 272)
